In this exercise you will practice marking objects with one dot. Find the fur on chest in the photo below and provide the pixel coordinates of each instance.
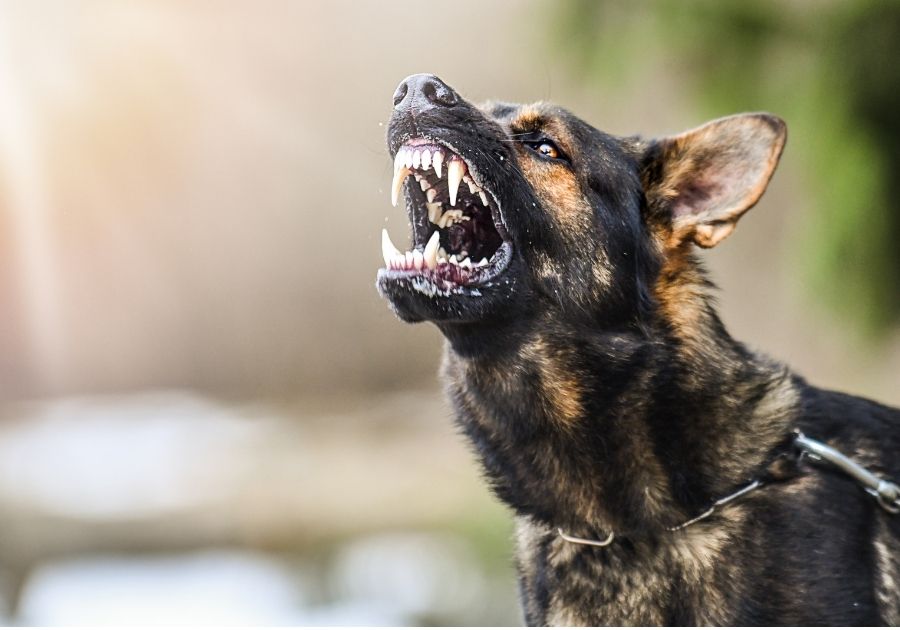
(688, 578)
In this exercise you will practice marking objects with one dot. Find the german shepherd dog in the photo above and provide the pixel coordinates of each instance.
(607, 403)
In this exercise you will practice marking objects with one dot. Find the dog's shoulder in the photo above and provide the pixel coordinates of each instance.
(868, 432)
(864, 429)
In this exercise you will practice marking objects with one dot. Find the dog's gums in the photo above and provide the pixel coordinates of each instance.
(458, 233)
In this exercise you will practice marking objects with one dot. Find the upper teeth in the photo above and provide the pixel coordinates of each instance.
(437, 160)
(400, 173)
(455, 170)
(408, 160)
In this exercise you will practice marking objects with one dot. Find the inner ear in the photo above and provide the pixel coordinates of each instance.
(702, 181)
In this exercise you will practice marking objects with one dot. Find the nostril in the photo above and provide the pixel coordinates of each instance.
(400, 94)
(430, 91)
(437, 92)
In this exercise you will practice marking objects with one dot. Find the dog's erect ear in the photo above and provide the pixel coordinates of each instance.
(702, 181)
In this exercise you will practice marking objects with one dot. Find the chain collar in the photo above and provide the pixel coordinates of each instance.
(750, 487)
(885, 492)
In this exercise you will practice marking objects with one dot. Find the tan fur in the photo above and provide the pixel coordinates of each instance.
(887, 559)
(627, 593)
(561, 393)
(763, 430)
(527, 118)
(559, 192)
(681, 295)
(560, 389)
(730, 160)
(558, 382)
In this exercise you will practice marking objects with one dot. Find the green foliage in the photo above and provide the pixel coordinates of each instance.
(831, 69)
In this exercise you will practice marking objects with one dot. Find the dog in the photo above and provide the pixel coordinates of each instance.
(651, 461)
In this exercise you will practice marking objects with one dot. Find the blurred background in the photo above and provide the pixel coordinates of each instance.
(207, 414)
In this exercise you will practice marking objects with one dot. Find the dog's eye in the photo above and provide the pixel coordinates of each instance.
(546, 148)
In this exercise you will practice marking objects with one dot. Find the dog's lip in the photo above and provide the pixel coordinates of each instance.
(437, 281)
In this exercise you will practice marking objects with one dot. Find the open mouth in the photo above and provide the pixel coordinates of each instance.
(458, 237)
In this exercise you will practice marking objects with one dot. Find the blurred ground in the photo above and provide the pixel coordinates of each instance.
(204, 399)
(171, 508)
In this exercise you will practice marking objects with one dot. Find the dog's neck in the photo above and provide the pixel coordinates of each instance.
(631, 430)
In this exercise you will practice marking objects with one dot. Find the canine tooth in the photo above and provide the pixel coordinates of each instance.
(436, 161)
(455, 171)
(424, 185)
(430, 194)
(400, 173)
(416, 159)
(484, 200)
(388, 251)
(431, 250)
(418, 259)
(399, 177)
(426, 159)
(434, 211)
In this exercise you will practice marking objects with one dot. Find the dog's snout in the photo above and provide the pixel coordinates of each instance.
(424, 91)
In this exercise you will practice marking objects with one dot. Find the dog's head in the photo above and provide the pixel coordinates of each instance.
(517, 209)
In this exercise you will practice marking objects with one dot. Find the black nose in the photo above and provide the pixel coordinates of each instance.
(424, 91)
